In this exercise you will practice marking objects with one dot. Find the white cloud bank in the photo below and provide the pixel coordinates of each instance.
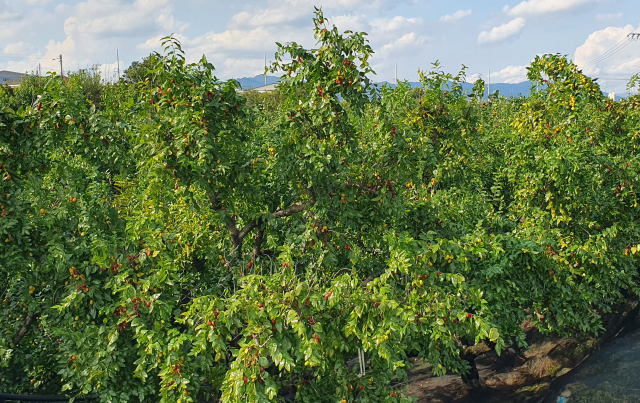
(509, 75)
(621, 61)
(458, 15)
(405, 42)
(19, 48)
(503, 32)
(238, 50)
(388, 25)
(537, 7)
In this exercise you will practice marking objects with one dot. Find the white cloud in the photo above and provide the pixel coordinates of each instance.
(406, 41)
(55, 49)
(154, 42)
(245, 67)
(458, 15)
(93, 30)
(109, 71)
(604, 55)
(18, 48)
(236, 40)
(9, 10)
(474, 77)
(606, 47)
(350, 22)
(503, 32)
(238, 50)
(273, 16)
(353, 4)
(10, 15)
(387, 25)
(118, 17)
(289, 11)
(535, 7)
(36, 2)
(46, 59)
(509, 75)
(609, 17)
(88, 32)
(15, 21)
(627, 68)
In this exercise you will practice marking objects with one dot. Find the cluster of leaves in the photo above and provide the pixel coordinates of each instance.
(176, 239)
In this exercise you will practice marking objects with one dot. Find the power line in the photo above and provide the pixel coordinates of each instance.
(624, 77)
(614, 82)
(615, 49)
(632, 37)
(22, 57)
(618, 81)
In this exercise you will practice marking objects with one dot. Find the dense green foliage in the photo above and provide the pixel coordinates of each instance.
(182, 241)
(139, 71)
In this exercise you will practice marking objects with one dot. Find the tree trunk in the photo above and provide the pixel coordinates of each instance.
(258, 241)
(30, 320)
(472, 379)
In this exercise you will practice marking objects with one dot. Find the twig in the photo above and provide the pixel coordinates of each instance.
(265, 343)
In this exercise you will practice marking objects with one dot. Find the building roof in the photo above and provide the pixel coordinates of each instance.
(265, 88)
(10, 78)
(10, 73)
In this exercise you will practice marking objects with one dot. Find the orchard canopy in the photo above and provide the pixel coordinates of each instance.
(177, 240)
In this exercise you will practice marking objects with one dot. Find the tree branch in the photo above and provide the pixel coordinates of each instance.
(231, 226)
(30, 320)
(236, 241)
(294, 209)
(364, 188)
(258, 242)
(247, 228)
(214, 200)
(237, 236)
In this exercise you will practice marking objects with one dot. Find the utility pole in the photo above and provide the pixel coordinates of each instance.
(265, 69)
(118, 58)
(61, 70)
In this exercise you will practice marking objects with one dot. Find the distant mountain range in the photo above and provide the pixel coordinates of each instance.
(508, 90)
(504, 88)
(257, 81)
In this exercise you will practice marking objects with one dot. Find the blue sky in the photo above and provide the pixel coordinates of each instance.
(503, 35)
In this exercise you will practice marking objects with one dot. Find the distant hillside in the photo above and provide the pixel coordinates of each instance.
(509, 90)
(257, 81)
